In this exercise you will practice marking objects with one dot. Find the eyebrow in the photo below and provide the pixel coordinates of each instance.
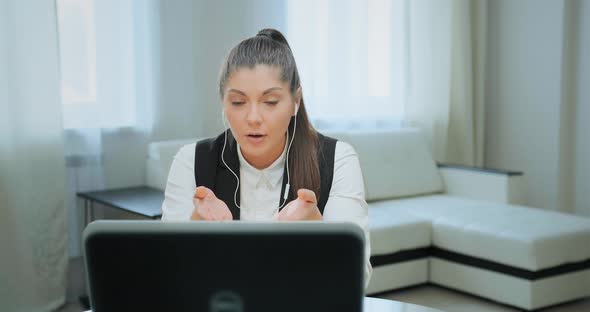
(263, 93)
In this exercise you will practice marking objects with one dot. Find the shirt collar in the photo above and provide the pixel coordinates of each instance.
(269, 176)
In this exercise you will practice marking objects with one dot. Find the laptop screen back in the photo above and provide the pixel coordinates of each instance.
(224, 267)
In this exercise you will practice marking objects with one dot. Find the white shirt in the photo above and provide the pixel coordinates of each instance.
(260, 191)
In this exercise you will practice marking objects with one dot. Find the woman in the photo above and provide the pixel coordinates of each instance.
(271, 164)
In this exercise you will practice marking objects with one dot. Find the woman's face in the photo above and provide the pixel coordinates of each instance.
(259, 107)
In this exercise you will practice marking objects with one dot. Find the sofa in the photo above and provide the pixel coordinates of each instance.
(462, 228)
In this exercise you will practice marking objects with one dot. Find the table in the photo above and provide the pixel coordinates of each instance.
(141, 200)
(384, 305)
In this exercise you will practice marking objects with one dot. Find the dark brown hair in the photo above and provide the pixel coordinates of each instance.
(269, 47)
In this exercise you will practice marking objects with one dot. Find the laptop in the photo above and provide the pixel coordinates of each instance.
(224, 266)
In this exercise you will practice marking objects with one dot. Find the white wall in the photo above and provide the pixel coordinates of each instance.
(219, 26)
(177, 113)
(582, 113)
(530, 111)
(523, 88)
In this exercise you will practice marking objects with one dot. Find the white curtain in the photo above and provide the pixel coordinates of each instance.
(467, 118)
(33, 233)
(109, 64)
(446, 92)
(381, 63)
(351, 59)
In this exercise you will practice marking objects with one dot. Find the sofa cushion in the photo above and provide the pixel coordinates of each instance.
(165, 150)
(394, 163)
(159, 159)
(522, 237)
(392, 232)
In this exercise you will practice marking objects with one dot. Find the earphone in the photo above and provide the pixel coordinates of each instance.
(288, 185)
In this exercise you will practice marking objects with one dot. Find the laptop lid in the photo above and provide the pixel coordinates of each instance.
(224, 266)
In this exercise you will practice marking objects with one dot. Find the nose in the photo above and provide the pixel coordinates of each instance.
(253, 116)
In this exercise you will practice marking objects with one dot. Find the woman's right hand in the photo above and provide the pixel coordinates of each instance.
(208, 207)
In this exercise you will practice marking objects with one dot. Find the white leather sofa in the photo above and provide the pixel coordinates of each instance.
(458, 227)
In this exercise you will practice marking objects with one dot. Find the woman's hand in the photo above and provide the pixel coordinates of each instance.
(305, 207)
(208, 207)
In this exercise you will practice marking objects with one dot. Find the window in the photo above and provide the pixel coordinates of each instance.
(351, 59)
(97, 60)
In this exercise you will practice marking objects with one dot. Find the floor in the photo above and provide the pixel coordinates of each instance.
(452, 301)
(430, 296)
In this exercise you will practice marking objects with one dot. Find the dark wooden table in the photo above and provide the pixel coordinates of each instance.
(140, 200)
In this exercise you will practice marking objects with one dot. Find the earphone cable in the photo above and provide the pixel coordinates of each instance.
(287, 186)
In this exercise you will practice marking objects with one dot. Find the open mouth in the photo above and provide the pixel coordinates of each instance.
(256, 138)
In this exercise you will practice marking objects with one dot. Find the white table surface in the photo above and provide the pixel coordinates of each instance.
(384, 305)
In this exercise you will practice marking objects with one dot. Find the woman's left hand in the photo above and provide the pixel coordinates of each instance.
(305, 207)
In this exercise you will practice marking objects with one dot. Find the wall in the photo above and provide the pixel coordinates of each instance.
(522, 108)
(177, 113)
(221, 25)
(582, 112)
(533, 83)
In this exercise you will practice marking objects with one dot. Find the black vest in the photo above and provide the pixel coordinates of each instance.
(213, 174)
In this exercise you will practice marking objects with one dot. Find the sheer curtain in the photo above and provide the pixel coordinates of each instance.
(108, 51)
(468, 82)
(33, 233)
(446, 94)
(105, 49)
(352, 60)
(381, 63)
